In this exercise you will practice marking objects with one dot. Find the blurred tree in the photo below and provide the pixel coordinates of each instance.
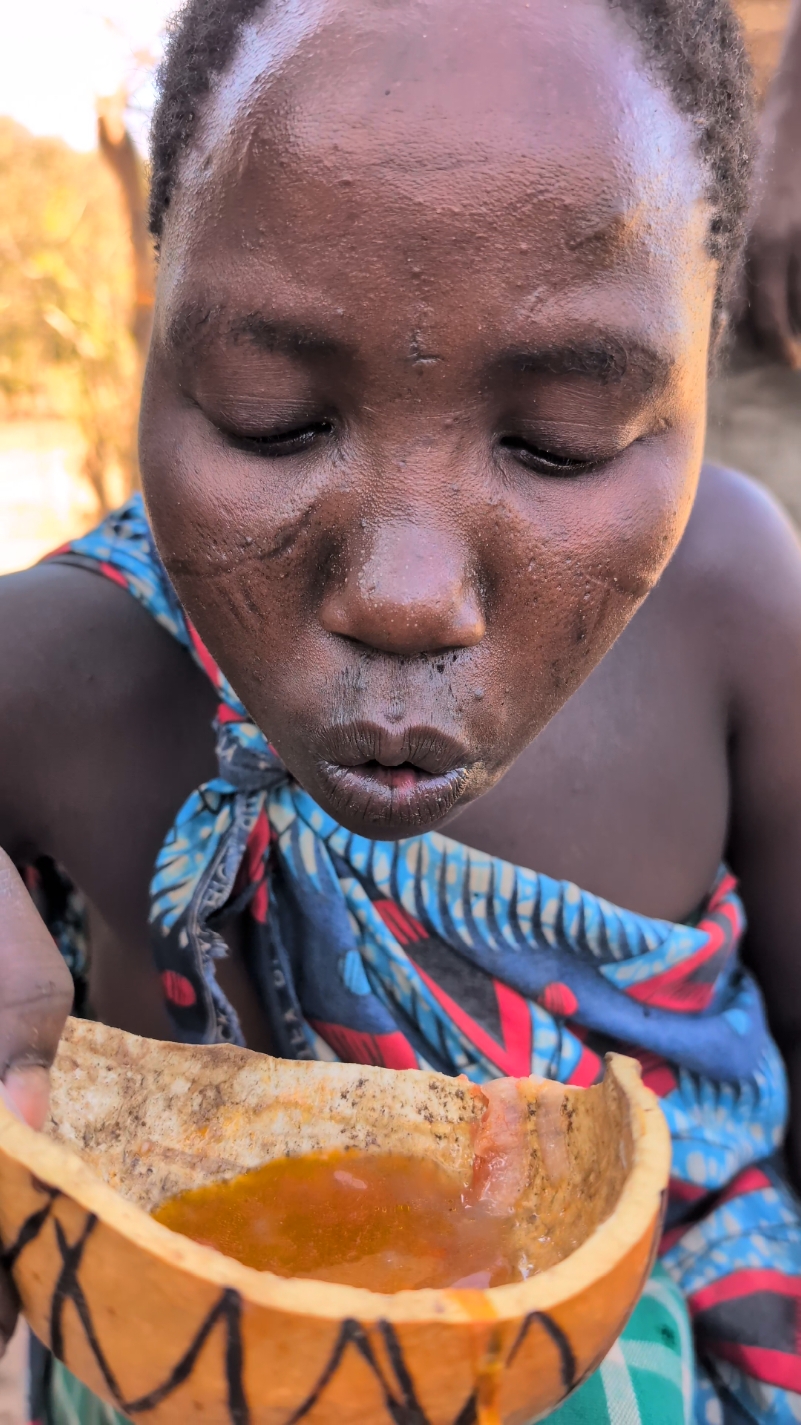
(118, 149)
(764, 22)
(67, 287)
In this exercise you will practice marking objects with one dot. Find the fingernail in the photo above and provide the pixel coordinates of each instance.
(27, 1093)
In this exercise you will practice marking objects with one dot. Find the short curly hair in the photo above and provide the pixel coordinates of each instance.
(693, 47)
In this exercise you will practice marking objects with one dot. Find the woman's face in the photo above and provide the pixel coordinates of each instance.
(425, 406)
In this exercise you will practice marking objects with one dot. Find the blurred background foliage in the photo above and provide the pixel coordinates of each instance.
(67, 294)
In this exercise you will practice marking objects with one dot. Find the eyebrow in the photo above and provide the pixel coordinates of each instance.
(194, 325)
(288, 338)
(607, 360)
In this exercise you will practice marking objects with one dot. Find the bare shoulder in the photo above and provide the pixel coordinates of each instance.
(737, 574)
(739, 534)
(94, 696)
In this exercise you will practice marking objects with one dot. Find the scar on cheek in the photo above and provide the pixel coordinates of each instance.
(249, 549)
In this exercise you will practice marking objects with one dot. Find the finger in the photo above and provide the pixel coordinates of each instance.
(769, 295)
(26, 1092)
(35, 985)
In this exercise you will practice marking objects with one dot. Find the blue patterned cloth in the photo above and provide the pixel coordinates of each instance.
(424, 952)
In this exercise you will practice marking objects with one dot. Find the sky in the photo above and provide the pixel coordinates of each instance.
(57, 56)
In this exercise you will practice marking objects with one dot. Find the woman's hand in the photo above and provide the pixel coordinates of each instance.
(35, 999)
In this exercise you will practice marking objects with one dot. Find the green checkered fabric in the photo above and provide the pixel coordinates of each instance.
(647, 1378)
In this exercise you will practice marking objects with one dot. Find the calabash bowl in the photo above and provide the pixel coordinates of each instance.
(172, 1332)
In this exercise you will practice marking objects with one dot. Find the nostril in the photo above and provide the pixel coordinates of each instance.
(404, 630)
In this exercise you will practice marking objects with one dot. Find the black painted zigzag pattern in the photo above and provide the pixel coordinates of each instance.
(400, 1398)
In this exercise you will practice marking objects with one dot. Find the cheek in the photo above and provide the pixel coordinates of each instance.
(240, 540)
(212, 510)
(570, 572)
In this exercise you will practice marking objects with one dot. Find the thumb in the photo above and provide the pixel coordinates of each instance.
(35, 999)
(26, 1092)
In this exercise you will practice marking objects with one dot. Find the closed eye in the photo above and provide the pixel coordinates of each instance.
(546, 462)
(278, 444)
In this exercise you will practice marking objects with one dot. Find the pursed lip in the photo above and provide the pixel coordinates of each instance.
(407, 778)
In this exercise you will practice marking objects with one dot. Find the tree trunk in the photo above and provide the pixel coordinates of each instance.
(117, 148)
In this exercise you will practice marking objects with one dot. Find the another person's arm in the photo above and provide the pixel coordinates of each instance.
(774, 249)
(754, 604)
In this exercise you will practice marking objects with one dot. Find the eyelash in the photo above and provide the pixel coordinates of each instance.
(545, 462)
(280, 444)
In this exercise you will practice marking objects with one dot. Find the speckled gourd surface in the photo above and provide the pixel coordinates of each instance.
(170, 1331)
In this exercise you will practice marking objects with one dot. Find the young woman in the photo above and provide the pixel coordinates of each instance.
(424, 536)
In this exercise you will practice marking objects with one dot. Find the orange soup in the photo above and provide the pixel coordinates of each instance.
(382, 1221)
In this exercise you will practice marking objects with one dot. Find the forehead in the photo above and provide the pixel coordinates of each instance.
(383, 140)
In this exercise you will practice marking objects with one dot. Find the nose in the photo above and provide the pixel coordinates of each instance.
(408, 593)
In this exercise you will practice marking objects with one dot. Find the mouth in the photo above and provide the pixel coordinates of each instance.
(385, 780)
